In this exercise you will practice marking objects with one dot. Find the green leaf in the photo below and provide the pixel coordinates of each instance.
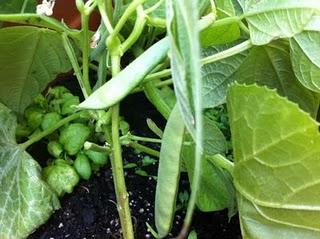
(225, 7)
(216, 35)
(39, 20)
(184, 51)
(26, 201)
(169, 172)
(160, 12)
(305, 57)
(276, 151)
(272, 19)
(270, 65)
(216, 76)
(17, 6)
(215, 191)
(30, 58)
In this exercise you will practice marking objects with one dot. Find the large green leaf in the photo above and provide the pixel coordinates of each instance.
(26, 201)
(270, 65)
(17, 6)
(305, 56)
(273, 19)
(30, 58)
(218, 75)
(276, 150)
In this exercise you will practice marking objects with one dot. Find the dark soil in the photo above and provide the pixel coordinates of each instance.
(90, 211)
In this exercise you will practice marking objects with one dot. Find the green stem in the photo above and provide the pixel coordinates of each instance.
(50, 130)
(156, 99)
(222, 162)
(157, 75)
(157, 85)
(154, 7)
(104, 15)
(130, 9)
(75, 65)
(144, 149)
(207, 60)
(109, 8)
(227, 53)
(136, 32)
(117, 165)
(139, 138)
(85, 52)
(94, 147)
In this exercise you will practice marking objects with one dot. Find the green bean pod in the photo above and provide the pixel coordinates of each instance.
(122, 84)
(169, 172)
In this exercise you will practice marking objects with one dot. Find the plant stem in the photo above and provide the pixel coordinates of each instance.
(207, 60)
(156, 99)
(94, 147)
(222, 162)
(50, 130)
(227, 53)
(144, 149)
(85, 52)
(117, 165)
(157, 75)
(139, 138)
(130, 9)
(157, 85)
(109, 8)
(137, 30)
(75, 65)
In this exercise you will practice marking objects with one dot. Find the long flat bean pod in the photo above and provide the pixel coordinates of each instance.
(169, 172)
(122, 84)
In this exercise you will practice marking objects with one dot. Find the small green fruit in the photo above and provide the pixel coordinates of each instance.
(99, 158)
(61, 177)
(50, 120)
(82, 166)
(73, 136)
(55, 148)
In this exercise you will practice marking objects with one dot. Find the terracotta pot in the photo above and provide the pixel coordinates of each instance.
(66, 10)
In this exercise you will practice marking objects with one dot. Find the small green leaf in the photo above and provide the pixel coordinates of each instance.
(216, 35)
(26, 201)
(169, 173)
(215, 191)
(30, 58)
(276, 151)
(272, 19)
(305, 57)
(193, 235)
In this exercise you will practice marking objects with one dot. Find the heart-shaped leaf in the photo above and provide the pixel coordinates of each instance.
(305, 57)
(30, 58)
(277, 164)
(26, 201)
(273, 19)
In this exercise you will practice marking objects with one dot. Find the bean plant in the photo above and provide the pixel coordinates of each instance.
(237, 81)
